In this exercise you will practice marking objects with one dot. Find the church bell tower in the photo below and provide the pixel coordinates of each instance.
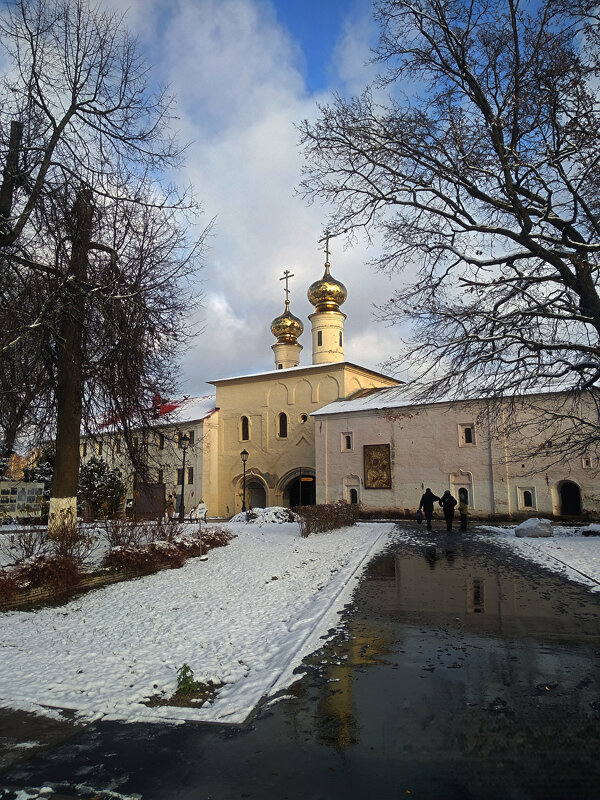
(327, 295)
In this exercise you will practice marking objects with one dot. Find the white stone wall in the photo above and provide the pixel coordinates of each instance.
(429, 447)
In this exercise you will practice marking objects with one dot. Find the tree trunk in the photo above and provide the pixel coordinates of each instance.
(63, 502)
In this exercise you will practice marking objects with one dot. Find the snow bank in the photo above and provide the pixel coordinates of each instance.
(245, 617)
(275, 515)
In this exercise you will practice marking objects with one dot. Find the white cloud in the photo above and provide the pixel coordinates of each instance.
(237, 78)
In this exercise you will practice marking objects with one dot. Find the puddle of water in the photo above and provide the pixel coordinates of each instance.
(457, 674)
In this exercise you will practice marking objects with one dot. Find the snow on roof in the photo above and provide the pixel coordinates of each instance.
(189, 409)
(404, 396)
(393, 397)
(300, 368)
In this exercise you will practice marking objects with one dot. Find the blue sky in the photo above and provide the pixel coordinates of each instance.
(244, 72)
(316, 26)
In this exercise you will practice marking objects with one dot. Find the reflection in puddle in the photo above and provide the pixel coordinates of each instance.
(455, 661)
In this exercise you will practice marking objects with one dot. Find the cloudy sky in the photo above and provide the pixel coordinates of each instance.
(243, 72)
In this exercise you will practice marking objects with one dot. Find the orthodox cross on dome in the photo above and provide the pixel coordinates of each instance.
(286, 277)
(326, 239)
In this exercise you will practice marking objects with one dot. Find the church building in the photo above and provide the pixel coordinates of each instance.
(333, 430)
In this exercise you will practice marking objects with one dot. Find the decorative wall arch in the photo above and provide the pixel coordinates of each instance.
(302, 393)
(279, 395)
(352, 489)
(461, 481)
(328, 390)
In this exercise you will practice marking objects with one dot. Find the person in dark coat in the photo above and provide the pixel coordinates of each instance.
(427, 501)
(447, 503)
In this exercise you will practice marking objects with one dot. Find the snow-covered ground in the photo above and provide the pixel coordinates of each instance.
(245, 617)
(572, 551)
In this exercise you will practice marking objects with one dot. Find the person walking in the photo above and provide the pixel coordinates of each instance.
(447, 503)
(427, 501)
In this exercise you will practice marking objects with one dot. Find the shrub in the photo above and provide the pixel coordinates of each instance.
(316, 519)
(167, 530)
(215, 537)
(69, 540)
(9, 587)
(59, 573)
(124, 533)
(26, 543)
(145, 560)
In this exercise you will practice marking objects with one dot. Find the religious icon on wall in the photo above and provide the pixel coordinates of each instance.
(378, 473)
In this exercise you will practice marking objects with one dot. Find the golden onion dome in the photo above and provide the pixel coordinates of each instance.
(287, 327)
(327, 294)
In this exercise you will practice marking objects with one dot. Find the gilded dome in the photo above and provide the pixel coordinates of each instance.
(327, 294)
(286, 327)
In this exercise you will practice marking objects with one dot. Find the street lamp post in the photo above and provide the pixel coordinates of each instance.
(244, 457)
(184, 441)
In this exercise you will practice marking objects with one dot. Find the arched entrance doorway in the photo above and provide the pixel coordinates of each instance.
(570, 499)
(256, 496)
(301, 491)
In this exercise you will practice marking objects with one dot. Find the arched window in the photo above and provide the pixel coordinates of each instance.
(282, 426)
(468, 436)
(245, 429)
(353, 496)
(527, 499)
(340, 338)
(463, 495)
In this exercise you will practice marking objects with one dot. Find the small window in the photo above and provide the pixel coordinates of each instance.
(466, 435)
(160, 476)
(340, 338)
(135, 442)
(319, 338)
(586, 462)
(99, 448)
(84, 450)
(190, 475)
(117, 446)
(245, 429)
(303, 418)
(526, 497)
(463, 495)
(279, 366)
(282, 426)
(354, 496)
(191, 437)
(161, 441)
(347, 442)
(179, 477)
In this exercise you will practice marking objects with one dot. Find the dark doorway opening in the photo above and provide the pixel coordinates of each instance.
(570, 499)
(302, 491)
(256, 496)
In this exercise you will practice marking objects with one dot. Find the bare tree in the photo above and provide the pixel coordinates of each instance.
(84, 143)
(475, 157)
